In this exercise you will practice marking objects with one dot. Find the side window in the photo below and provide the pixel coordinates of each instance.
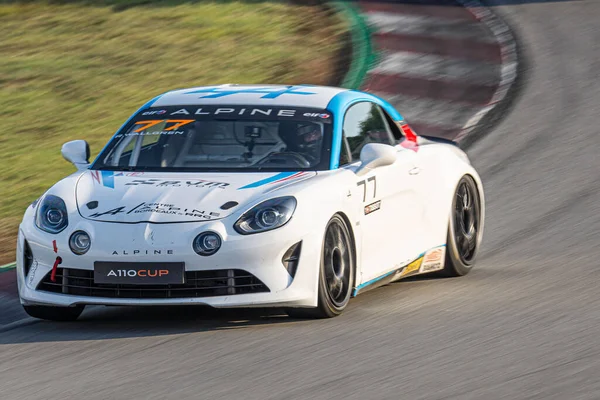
(364, 123)
(345, 153)
(394, 128)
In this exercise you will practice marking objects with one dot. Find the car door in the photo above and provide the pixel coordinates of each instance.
(385, 196)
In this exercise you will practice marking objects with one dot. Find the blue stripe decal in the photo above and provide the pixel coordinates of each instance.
(108, 179)
(145, 106)
(273, 178)
(362, 285)
(269, 92)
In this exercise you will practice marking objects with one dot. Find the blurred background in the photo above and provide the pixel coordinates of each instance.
(78, 69)
(515, 82)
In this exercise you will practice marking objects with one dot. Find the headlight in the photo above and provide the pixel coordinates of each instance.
(206, 243)
(79, 242)
(267, 215)
(52, 214)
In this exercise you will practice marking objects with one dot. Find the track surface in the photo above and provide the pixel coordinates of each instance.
(524, 325)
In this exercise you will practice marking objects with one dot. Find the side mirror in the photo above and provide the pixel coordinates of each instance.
(77, 152)
(375, 155)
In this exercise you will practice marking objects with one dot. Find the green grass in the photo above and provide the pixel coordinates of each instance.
(77, 70)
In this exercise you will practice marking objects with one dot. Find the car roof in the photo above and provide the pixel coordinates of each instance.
(259, 95)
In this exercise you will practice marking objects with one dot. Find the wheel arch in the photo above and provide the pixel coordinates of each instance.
(448, 169)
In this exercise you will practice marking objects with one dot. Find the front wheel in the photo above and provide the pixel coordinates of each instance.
(336, 275)
(55, 313)
(464, 228)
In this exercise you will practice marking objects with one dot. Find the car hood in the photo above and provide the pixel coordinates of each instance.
(131, 197)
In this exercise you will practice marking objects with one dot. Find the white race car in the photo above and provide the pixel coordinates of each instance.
(298, 197)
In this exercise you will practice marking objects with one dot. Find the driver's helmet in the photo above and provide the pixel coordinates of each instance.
(302, 138)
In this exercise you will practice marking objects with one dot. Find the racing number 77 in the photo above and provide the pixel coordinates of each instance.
(364, 185)
(150, 123)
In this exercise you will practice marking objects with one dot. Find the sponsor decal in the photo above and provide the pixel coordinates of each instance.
(433, 256)
(135, 252)
(107, 179)
(224, 111)
(372, 207)
(433, 260)
(155, 112)
(32, 270)
(150, 133)
(138, 272)
(316, 115)
(158, 208)
(234, 112)
(269, 93)
(412, 268)
(199, 183)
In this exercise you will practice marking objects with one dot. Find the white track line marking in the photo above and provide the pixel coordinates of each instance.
(445, 114)
(435, 67)
(423, 25)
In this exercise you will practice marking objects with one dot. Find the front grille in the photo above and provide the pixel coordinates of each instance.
(223, 282)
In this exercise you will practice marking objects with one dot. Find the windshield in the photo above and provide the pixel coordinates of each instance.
(223, 138)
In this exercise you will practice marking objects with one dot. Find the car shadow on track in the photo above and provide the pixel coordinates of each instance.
(98, 323)
(102, 323)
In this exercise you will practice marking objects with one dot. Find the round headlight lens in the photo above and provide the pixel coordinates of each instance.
(207, 243)
(80, 242)
(54, 216)
(51, 214)
(267, 217)
(270, 214)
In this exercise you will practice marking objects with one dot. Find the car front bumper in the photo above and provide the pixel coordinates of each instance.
(259, 254)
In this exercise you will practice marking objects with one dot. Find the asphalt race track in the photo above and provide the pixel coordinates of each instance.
(524, 325)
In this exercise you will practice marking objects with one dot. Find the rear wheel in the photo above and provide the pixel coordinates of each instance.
(55, 313)
(336, 275)
(464, 228)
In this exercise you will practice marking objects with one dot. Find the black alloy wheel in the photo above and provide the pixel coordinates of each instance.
(337, 262)
(465, 228)
(336, 276)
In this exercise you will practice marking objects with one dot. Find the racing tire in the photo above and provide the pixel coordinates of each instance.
(55, 313)
(464, 229)
(336, 273)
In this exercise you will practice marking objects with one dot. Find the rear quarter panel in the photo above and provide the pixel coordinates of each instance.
(443, 165)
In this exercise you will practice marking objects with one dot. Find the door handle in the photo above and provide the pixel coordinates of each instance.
(414, 171)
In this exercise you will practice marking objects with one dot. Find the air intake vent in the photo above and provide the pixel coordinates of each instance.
(210, 283)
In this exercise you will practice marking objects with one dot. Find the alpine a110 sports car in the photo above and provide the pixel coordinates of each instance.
(297, 197)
